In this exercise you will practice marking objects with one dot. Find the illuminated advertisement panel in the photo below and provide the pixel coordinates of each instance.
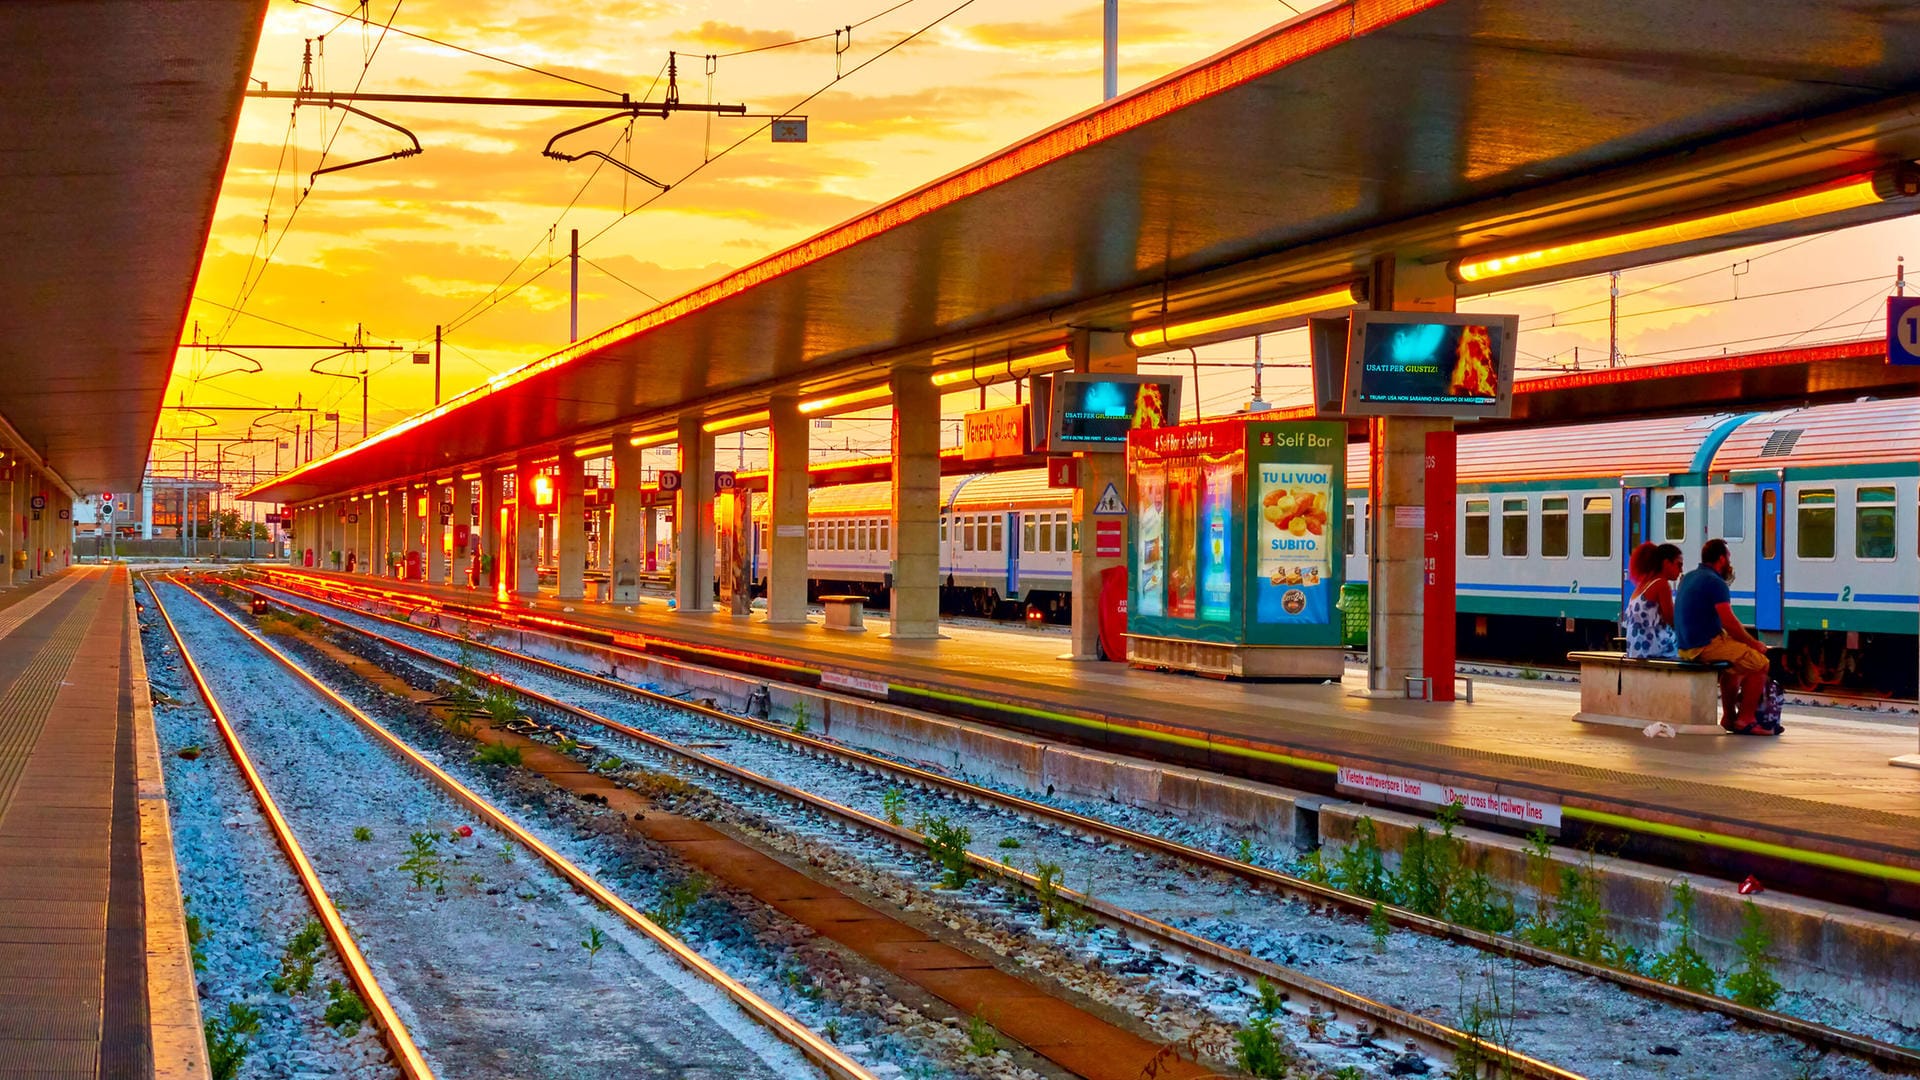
(1235, 533)
(1426, 364)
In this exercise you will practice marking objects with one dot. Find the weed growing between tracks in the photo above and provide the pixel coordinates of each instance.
(229, 1038)
(1260, 1050)
(296, 964)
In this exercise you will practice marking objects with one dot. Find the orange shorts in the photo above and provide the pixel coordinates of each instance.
(1745, 658)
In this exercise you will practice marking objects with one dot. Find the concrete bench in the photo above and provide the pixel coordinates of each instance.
(846, 613)
(1618, 690)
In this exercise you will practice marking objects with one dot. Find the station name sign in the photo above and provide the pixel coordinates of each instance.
(995, 433)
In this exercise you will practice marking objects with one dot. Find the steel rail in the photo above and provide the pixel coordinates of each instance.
(412, 1063)
(789, 1030)
(1436, 1040)
(1817, 1034)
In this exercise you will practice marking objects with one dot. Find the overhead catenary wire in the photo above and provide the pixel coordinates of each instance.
(417, 36)
(248, 287)
(696, 169)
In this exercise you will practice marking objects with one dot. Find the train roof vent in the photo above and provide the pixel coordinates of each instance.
(1780, 443)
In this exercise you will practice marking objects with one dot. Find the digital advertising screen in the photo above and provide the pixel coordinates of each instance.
(1096, 411)
(1425, 364)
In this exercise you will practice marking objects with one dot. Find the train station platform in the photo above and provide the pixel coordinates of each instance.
(96, 977)
(1818, 810)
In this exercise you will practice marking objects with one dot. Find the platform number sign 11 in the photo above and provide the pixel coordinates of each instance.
(1903, 330)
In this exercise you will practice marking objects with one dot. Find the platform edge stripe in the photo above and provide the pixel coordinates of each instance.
(1826, 860)
(173, 994)
(785, 1026)
(410, 1061)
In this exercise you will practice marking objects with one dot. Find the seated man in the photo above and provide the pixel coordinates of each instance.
(1706, 631)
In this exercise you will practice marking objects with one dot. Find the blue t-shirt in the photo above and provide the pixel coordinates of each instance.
(1696, 619)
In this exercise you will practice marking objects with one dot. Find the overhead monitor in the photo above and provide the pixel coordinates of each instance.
(1327, 341)
(1094, 412)
(1416, 363)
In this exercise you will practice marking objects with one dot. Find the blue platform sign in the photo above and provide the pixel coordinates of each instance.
(1903, 330)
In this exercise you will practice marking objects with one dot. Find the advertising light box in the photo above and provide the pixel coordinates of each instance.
(1402, 363)
(1096, 412)
(1234, 542)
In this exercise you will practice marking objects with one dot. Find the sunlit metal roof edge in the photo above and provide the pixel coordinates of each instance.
(1287, 42)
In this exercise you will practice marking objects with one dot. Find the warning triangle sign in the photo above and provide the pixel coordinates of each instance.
(1110, 504)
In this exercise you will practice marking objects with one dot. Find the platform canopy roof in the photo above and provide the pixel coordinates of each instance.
(118, 118)
(1284, 165)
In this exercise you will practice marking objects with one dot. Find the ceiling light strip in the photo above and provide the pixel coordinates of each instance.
(1294, 307)
(1849, 194)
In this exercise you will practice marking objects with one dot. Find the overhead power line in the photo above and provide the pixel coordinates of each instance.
(471, 315)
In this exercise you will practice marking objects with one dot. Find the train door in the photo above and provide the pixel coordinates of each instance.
(1636, 519)
(1013, 557)
(1769, 582)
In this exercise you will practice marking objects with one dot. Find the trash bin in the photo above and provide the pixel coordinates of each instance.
(1352, 606)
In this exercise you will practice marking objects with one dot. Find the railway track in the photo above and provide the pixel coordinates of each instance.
(1825, 1038)
(807, 1046)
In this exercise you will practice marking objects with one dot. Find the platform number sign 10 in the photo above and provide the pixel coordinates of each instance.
(1903, 330)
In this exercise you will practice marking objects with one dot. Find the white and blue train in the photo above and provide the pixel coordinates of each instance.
(1821, 506)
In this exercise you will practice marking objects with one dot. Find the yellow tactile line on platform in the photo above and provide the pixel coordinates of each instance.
(173, 995)
(14, 617)
(24, 708)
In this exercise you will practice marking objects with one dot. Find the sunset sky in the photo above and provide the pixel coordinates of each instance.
(472, 234)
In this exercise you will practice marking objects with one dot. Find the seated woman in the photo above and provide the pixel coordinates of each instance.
(1649, 615)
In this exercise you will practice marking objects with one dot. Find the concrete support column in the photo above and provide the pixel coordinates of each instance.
(146, 512)
(372, 536)
(1107, 353)
(9, 529)
(1397, 493)
(526, 533)
(915, 601)
(23, 536)
(570, 563)
(436, 541)
(787, 481)
(626, 559)
(462, 515)
(650, 539)
(693, 520)
(416, 529)
(396, 528)
(492, 484)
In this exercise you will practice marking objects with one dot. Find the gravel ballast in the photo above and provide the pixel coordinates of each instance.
(484, 957)
(1585, 1024)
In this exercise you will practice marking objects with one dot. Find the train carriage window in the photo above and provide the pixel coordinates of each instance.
(1596, 527)
(980, 533)
(1061, 524)
(999, 526)
(1476, 527)
(1026, 535)
(943, 528)
(1815, 527)
(1513, 528)
(1873, 518)
(873, 535)
(1553, 526)
(1045, 533)
(1347, 527)
(886, 528)
(966, 533)
(1733, 516)
(1675, 517)
(1770, 524)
